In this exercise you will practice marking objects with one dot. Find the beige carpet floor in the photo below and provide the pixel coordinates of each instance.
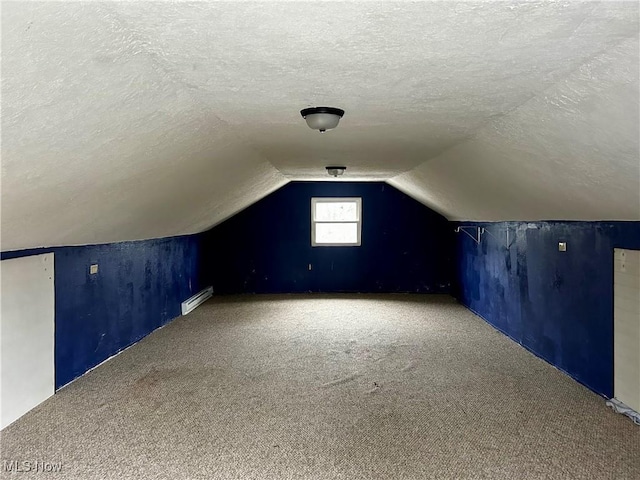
(326, 387)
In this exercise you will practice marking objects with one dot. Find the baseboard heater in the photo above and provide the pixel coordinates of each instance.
(195, 301)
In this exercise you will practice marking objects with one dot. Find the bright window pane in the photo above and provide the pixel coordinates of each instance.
(336, 233)
(336, 211)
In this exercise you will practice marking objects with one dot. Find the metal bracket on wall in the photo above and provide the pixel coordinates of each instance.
(507, 244)
(476, 237)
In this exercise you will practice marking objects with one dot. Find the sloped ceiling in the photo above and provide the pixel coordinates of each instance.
(569, 153)
(135, 120)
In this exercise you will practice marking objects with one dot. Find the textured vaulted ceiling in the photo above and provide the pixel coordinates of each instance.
(135, 120)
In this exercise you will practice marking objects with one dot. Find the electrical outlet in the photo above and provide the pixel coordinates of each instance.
(93, 269)
(562, 246)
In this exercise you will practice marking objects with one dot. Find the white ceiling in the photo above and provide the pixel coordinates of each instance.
(135, 120)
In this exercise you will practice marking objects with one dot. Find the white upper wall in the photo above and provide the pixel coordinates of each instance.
(132, 120)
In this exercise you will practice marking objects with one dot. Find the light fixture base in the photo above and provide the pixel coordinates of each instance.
(322, 118)
(335, 171)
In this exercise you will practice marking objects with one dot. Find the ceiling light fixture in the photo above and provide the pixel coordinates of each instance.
(322, 118)
(335, 171)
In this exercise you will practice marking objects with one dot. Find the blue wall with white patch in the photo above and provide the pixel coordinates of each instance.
(138, 288)
(559, 305)
(406, 247)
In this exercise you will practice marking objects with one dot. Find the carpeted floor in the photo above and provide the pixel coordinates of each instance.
(326, 387)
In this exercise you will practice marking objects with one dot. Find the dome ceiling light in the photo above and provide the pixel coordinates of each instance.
(322, 118)
(335, 171)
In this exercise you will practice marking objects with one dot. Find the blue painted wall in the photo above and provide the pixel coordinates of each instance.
(406, 247)
(138, 288)
(557, 304)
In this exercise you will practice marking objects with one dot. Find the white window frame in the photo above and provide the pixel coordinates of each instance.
(358, 221)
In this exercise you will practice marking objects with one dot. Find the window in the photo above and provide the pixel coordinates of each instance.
(336, 222)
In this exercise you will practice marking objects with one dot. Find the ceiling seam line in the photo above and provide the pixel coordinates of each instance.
(144, 44)
(493, 118)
